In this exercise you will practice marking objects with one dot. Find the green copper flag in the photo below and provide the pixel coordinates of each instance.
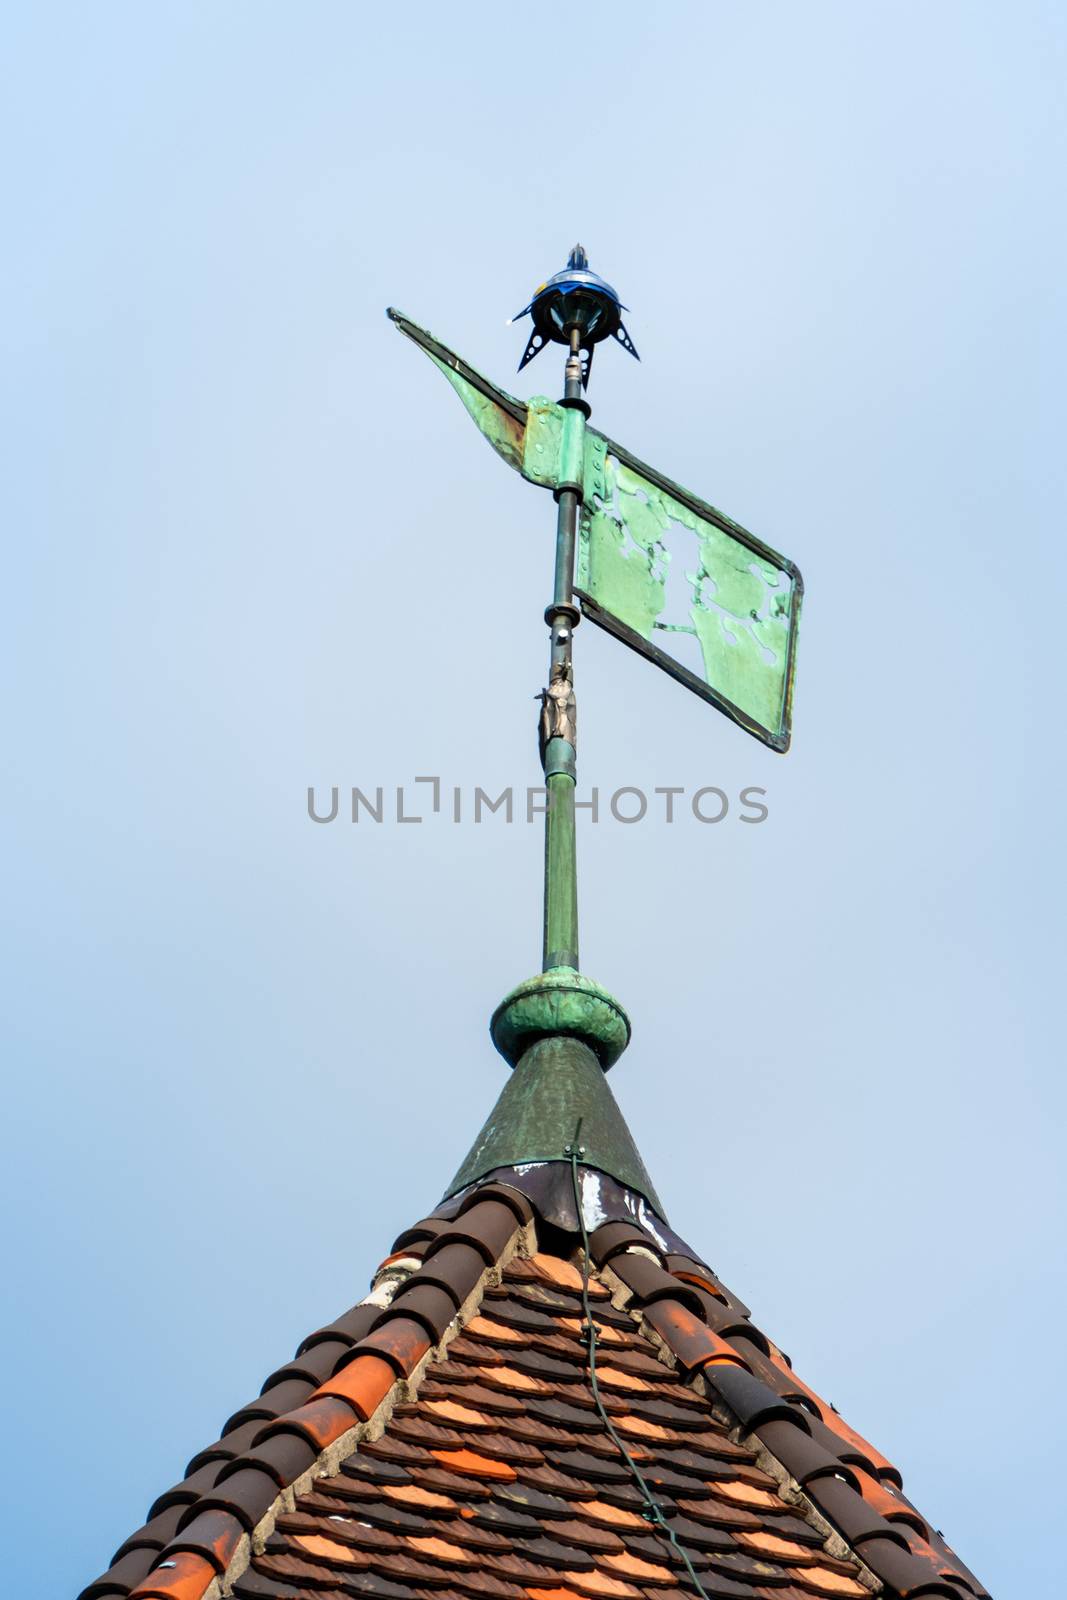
(668, 574)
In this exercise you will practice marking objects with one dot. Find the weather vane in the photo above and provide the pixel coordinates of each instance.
(663, 571)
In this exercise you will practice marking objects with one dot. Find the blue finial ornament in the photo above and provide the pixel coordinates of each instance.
(575, 299)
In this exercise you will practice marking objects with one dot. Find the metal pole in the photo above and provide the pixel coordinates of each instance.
(558, 717)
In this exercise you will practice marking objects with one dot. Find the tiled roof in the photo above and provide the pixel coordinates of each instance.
(442, 1440)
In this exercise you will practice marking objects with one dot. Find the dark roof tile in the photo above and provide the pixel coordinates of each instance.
(453, 1265)
(314, 1365)
(592, 1468)
(434, 1307)
(418, 1236)
(214, 1532)
(284, 1396)
(156, 1532)
(225, 1449)
(506, 1193)
(375, 1470)
(285, 1456)
(256, 1585)
(462, 1486)
(716, 1513)
(348, 1329)
(798, 1452)
(123, 1574)
(904, 1572)
(649, 1282)
(248, 1494)
(502, 1307)
(189, 1490)
(612, 1238)
(487, 1223)
(749, 1398)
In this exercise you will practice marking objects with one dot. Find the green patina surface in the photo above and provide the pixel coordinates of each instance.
(736, 604)
(556, 1084)
(504, 432)
(560, 1001)
(543, 444)
(561, 875)
(669, 574)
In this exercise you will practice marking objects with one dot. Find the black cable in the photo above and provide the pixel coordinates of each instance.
(653, 1512)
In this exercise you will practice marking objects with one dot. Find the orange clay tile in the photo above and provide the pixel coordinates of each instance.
(470, 1465)
(509, 1378)
(887, 1504)
(409, 1494)
(600, 1511)
(321, 1420)
(828, 1582)
(613, 1379)
(771, 1544)
(482, 1328)
(402, 1341)
(641, 1571)
(606, 1334)
(562, 1273)
(646, 1430)
(691, 1340)
(186, 1579)
(701, 1283)
(552, 1594)
(215, 1533)
(327, 1549)
(744, 1493)
(438, 1549)
(364, 1383)
(597, 1583)
(452, 1411)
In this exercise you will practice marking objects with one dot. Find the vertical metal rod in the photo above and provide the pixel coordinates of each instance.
(560, 947)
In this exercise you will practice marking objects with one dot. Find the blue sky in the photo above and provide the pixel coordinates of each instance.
(254, 544)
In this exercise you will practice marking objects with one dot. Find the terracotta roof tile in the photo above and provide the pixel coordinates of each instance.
(565, 1515)
(495, 1477)
(183, 1576)
(615, 1516)
(320, 1421)
(213, 1533)
(440, 1479)
(601, 1587)
(361, 1384)
(626, 1565)
(490, 1328)
(470, 1462)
